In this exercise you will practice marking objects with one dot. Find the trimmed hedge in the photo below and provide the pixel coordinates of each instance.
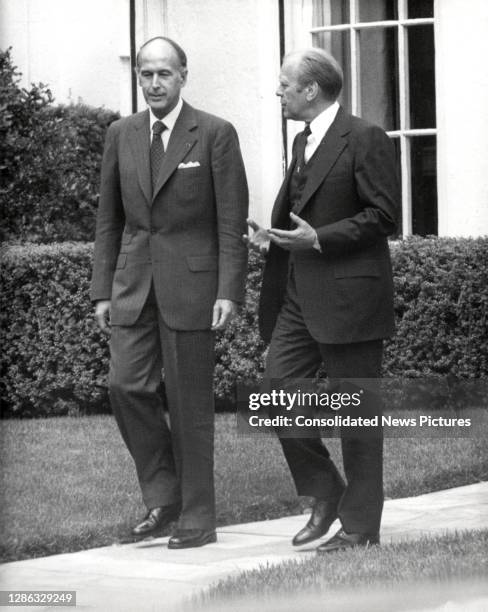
(441, 307)
(55, 361)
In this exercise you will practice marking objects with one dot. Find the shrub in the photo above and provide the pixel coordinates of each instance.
(50, 162)
(55, 361)
(441, 307)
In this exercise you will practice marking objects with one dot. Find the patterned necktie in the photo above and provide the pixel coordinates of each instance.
(302, 143)
(157, 151)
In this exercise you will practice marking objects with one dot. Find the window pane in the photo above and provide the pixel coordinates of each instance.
(338, 44)
(378, 76)
(420, 8)
(329, 12)
(377, 10)
(424, 185)
(421, 76)
(398, 159)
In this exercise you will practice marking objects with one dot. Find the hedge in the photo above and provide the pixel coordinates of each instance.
(55, 361)
(50, 162)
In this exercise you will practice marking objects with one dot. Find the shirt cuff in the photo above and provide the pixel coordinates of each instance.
(316, 244)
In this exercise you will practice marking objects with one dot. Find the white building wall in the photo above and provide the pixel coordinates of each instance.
(233, 61)
(80, 49)
(462, 117)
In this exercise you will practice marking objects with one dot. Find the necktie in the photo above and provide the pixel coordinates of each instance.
(157, 151)
(302, 143)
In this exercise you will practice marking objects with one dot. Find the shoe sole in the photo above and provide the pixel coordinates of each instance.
(324, 551)
(156, 533)
(209, 540)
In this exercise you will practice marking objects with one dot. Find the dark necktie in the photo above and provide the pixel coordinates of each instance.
(301, 144)
(157, 151)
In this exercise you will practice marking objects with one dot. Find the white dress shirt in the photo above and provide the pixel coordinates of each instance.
(169, 121)
(319, 127)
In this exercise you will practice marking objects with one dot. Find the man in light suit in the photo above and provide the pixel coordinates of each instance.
(327, 286)
(169, 270)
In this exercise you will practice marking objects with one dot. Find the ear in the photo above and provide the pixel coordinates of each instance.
(184, 75)
(312, 91)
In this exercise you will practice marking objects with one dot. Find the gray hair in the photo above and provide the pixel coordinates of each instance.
(316, 65)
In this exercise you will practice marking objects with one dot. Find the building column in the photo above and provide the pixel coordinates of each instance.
(462, 120)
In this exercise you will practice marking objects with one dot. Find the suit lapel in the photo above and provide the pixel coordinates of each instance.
(326, 155)
(182, 139)
(140, 144)
(280, 208)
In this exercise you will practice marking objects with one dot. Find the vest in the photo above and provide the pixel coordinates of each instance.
(297, 184)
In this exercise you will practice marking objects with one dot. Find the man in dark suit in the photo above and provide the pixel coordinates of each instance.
(169, 270)
(327, 286)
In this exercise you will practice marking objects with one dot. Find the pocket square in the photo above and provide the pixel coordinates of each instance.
(184, 165)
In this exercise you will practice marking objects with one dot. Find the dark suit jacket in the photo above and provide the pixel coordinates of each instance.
(186, 238)
(352, 200)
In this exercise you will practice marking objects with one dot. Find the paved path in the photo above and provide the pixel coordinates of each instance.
(146, 576)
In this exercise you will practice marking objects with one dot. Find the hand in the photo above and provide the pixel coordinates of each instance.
(302, 237)
(259, 240)
(223, 311)
(102, 315)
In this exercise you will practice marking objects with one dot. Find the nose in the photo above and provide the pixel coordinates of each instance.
(155, 81)
(279, 91)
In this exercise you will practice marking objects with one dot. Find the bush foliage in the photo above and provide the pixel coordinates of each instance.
(54, 360)
(50, 160)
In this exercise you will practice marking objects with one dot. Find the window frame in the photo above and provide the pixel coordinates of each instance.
(405, 133)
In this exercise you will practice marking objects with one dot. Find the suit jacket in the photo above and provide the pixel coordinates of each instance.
(352, 200)
(186, 237)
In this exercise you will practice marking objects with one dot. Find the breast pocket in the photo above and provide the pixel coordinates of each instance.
(188, 183)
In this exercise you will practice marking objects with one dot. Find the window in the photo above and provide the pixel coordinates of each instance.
(386, 49)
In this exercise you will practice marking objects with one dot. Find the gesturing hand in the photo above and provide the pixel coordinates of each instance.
(258, 240)
(302, 237)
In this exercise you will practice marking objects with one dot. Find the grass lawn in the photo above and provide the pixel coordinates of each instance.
(69, 483)
(389, 572)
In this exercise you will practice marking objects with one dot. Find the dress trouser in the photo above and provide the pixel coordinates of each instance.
(294, 354)
(174, 465)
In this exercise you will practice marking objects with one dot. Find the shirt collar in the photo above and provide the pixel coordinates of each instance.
(169, 120)
(322, 122)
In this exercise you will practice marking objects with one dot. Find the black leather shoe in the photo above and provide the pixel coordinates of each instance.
(155, 521)
(191, 538)
(324, 513)
(343, 540)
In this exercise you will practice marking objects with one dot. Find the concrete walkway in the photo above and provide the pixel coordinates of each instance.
(146, 576)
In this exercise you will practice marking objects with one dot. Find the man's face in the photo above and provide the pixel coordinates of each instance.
(293, 96)
(161, 77)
